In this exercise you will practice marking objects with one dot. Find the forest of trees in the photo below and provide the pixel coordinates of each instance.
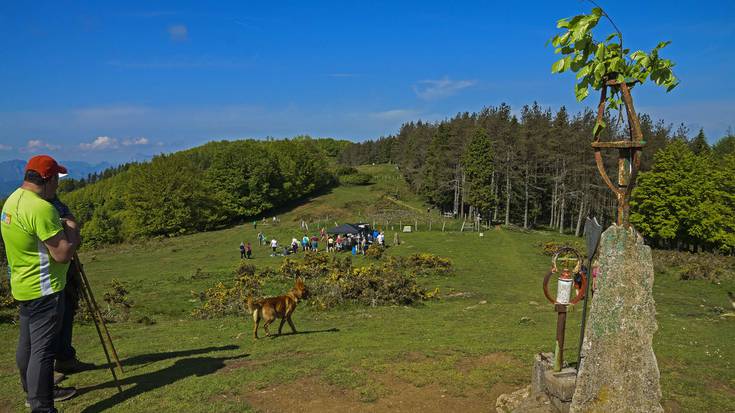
(216, 184)
(538, 170)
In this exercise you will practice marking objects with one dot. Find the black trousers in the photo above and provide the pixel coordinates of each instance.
(40, 322)
(65, 350)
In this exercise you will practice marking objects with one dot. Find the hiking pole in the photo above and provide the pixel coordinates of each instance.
(86, 294)
(95, 308)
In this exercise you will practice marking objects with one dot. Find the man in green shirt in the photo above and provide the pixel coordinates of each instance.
(38, 246)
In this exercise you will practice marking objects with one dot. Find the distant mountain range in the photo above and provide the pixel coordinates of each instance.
(11, 172)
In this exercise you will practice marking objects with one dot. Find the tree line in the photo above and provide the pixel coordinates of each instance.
(532, 169)
(214, 185)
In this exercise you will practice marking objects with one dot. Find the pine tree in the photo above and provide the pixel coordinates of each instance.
(664, 197)
(437, 171)
(699, 144)
(478, 166)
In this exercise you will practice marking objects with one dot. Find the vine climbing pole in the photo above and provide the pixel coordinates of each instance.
(629, 150)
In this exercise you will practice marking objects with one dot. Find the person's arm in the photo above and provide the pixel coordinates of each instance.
(64, 244)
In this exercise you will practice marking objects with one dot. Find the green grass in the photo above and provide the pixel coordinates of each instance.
(465, 343)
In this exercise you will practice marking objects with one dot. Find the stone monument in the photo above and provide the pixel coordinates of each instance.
(619, 371)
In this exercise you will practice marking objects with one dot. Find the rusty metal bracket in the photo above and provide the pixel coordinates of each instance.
(629, 150)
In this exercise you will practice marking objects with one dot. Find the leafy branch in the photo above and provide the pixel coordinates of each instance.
(597, 62)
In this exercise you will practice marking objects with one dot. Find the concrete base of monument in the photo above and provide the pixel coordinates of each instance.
(558, 386)
(549, 392)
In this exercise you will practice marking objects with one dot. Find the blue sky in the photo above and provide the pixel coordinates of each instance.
(116, 80)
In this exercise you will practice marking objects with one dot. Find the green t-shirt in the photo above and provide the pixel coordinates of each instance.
(26, 221)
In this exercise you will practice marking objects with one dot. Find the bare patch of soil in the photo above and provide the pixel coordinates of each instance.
(313, 395)
(500, 388)
(6, 406)
(671, 406)
(486, 361)
(231, 365)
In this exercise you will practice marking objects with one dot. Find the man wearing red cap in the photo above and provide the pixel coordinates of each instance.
(39, 247)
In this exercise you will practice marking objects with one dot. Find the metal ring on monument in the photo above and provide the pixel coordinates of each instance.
(577, 269)
(582, 289)
(546, 287)
(568, 250)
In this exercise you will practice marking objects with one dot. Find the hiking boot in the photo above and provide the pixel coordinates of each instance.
(73, 365)
(60, 394)
(58, 377)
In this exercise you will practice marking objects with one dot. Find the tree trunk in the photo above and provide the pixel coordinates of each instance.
(561, 210)
(507, 189)
(456, 196)
(461, 192)
(554, 191)
(525, 201)
(494, 184)
(576, 228)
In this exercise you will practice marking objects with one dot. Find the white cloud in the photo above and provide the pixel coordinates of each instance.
(441, 88)
(137, 141)
(5, 147)
(107, 113)
(35, 145)
(395, 114)
(178, 32)
(99, 143)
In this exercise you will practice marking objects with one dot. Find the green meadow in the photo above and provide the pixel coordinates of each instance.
(458, 352)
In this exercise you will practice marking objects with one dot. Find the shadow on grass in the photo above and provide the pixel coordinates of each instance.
(143, 360)
(329, 330)
(181, 369)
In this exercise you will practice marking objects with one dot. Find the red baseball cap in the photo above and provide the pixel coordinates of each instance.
(46, 166)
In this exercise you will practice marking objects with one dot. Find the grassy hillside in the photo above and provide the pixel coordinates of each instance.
(456, 353)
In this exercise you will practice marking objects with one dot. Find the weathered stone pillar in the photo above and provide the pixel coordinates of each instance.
(619, 372)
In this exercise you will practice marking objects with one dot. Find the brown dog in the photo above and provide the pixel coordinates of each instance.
(268, 309)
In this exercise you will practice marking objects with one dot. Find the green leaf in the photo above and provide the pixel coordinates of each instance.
(558, 66)
(600, 125)
(597, 12)
(599, 70)
(663, 44)
(600, 53)
(583, 71)
(638, 55)
(562, 23)
(567, 63)
(581, 91)
(610, 37)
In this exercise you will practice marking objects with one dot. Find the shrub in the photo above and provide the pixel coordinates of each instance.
(222, 300)
(355, 179)
(343, 170)
(331, 281)
(375, 251)
(6, 298)
(118, 304)
(313, 265)
(426, 264)
(371, 285)
(689, 266)
(551, 247)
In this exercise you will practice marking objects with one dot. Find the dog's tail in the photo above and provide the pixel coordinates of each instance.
(252, 304)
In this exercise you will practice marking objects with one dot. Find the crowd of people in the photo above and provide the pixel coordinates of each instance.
(355, 243)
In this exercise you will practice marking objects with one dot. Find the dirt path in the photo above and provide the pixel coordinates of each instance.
(312, 395)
